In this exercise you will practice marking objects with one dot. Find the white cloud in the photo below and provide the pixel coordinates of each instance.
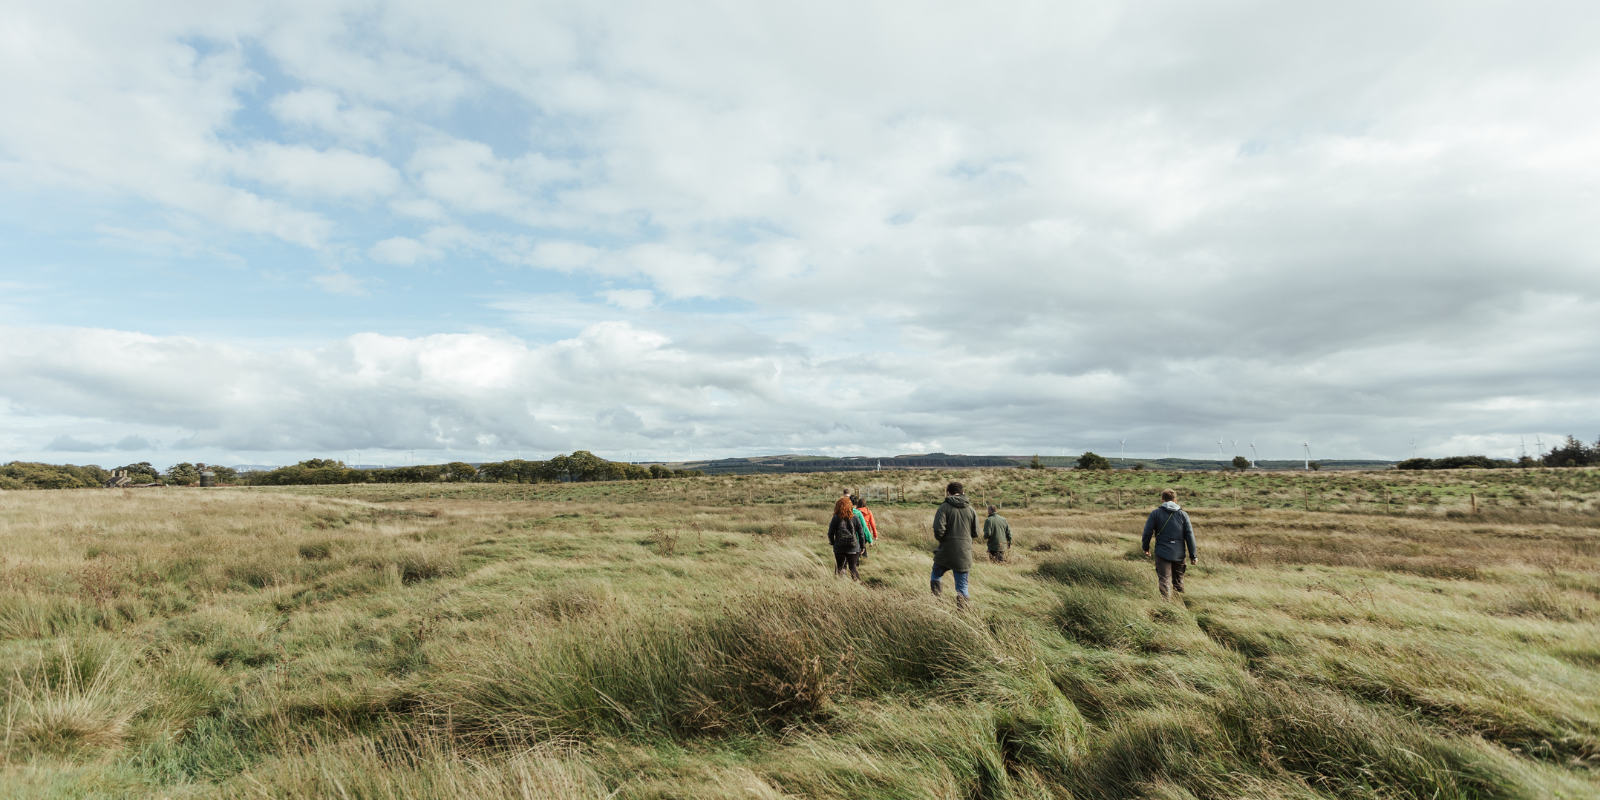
(631, 299)
(306, 172)
(466, 175)
(562, 255)
(115, 103)
(736, 391)
(401, 250)
(435, 392)
(324, 110)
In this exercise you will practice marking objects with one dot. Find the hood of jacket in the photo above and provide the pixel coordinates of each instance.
(957, 500)
(1171, 506)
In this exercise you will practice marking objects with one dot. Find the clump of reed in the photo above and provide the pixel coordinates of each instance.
(82, 694)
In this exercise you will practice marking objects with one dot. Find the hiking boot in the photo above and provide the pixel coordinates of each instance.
(937, 587)
(962, 601)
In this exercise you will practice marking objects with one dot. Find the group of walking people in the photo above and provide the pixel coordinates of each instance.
(853, 532)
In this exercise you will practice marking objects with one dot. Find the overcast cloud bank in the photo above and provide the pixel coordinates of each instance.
(857, 228)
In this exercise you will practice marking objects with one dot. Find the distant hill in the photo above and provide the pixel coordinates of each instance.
(806, 463)
(1207, 464)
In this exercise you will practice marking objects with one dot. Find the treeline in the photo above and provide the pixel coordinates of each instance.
(33, 475)
(581, 466)
(1465, 462)
(1572, 453)
(29, 475)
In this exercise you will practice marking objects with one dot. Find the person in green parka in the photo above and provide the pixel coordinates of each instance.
(955, 527)
(997, 533)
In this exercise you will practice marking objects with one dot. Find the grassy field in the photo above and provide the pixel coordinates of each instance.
(1351, 635)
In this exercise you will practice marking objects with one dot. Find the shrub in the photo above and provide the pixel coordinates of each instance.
(665, 543)
(1091, 460)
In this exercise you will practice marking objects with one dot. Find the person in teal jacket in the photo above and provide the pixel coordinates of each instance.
(867, 539)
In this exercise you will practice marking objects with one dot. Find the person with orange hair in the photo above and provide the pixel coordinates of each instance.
(844, 533)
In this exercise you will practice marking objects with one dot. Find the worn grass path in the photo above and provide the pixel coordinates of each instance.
(686, 639)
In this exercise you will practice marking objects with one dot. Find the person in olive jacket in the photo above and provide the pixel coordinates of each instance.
(955, 527)
(997, 533)
(1169, 525)
(846, 537)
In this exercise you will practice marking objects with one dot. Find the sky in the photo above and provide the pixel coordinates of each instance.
(254, 233)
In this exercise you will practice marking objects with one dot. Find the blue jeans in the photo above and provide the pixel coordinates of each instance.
(961, 579)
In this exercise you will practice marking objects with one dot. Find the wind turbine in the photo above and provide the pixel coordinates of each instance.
(1539, 444)
(1307, 445)
(1235, 447)
(1522, 445)
(1123, 443)
(1220, 456)
(1252, 453)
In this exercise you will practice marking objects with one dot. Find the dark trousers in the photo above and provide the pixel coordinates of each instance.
(852, 560)
(1169, 575)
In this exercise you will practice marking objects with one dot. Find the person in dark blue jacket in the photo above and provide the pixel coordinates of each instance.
(1169, 525)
